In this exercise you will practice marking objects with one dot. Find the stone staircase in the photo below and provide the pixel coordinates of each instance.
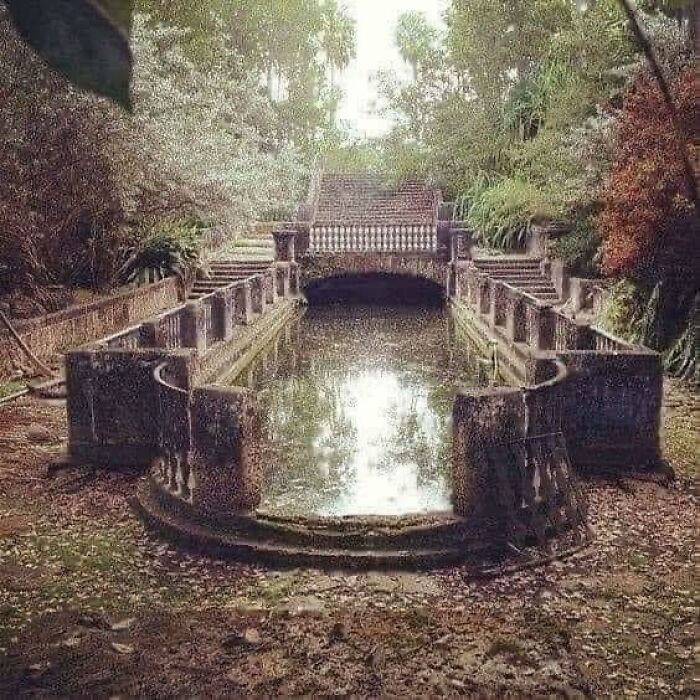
(524, 273)
(365, 200)
(247, 257)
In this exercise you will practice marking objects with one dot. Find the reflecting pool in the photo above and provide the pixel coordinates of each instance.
(359, 401)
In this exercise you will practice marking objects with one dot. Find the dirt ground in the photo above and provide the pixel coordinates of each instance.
(90, 605)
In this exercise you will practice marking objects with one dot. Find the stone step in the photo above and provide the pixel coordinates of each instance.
(249, 545)
(521, 269)
(254, 243)
(243, 266)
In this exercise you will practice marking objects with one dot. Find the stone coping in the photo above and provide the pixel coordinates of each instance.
(75, 310)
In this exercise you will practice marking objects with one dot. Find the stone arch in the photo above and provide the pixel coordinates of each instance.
(316, 268)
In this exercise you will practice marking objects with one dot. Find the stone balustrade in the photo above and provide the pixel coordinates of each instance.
(606, 383)
(111, 401)
(360, 238)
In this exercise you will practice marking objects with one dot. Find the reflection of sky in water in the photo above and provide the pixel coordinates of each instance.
(359, 414)
(379, 479)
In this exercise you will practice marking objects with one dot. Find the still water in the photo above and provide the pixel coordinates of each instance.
(359, 401)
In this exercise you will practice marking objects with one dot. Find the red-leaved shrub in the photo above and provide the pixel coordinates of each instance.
(649, 224)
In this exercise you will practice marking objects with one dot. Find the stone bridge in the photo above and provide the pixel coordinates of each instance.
(355, 226)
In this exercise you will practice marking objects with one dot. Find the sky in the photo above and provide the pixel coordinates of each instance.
(376, 22)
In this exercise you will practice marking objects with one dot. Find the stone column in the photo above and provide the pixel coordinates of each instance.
(560, 278)
(270, 286)
(283, 274)
(540, 326)
(483, 294)
(498, 304)
(515, 315)
(472, 289)
(193, 330)
(243, 304)
(152, 335)
(301, 241)
(284, 244)
(294, 286)
(257, 293)
(226, 438)
(223, 313)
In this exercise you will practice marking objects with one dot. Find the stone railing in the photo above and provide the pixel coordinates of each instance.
(390, 238)
(608, 406)
(207, 444)
(50, 335)
(112, 391)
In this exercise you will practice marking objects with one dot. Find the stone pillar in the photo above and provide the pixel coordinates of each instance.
(193, 330)
(301, 242)
(223, 310)
(451, 285)
(498, 303)
(512, 304)
(226, 438)
(443, 239)
(483, 294)
(270, 285)
(540, 326)
(560, 278)
(294, 286)
(243, 303)
(282, 277)
(480, 419)
(472, 289)
(152, 335)
(257, 293)
(284, 244)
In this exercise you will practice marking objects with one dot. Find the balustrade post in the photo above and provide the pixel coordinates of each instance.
(152, 335)
(515, 315)
(483, 294)
(301, 240)
(194, 333)
(282, 272)
(498, 304)
(222, 310)
(257, 293)
(472, 288)
(243, 303)
(270, 286)
(541, 326)
(294, 285)
(284, 244)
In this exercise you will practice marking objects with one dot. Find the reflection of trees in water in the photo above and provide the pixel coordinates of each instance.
(333, 355)
(312, 438)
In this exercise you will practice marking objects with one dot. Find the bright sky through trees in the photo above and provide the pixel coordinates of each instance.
(376, 49)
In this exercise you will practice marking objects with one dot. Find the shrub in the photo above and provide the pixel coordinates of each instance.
(579, 250)
(501, 214)
(648, 222)
(170, 249)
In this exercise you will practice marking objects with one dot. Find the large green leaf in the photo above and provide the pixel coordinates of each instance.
(86, 40)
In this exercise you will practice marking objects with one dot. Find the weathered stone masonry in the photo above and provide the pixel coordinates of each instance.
(140, 396)
(52, 334)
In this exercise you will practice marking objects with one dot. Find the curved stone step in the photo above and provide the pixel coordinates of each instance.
(202, 537)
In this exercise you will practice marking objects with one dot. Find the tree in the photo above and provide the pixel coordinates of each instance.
(417, 41)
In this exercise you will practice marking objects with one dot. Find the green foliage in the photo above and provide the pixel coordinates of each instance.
(82, 40)
(619, 310)
(683, 358)
(579, 250)
(170, 249)
(501, 213)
